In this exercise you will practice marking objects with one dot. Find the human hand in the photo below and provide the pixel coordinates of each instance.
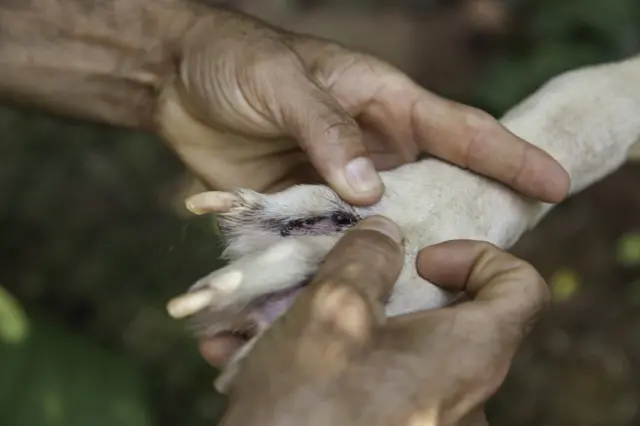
(333, 359)
(255, 107)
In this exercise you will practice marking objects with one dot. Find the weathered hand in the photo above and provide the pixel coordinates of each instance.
(333, 359)
(254, 107)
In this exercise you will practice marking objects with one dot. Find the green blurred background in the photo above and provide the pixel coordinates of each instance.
(92, 244)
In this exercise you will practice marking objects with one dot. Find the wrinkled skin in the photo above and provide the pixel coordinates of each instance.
(258, 108)
(333, 359)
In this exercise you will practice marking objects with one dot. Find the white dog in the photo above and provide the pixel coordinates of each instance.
(587, 119)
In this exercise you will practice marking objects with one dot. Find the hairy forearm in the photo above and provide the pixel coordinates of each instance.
(98, 60)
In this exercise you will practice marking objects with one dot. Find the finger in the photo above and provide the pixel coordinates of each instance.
(303, 173)
(344, 296)
(218, 350)
(470, 138)
(383, 149)
(368, 257)
(332, 140)
(510, 290)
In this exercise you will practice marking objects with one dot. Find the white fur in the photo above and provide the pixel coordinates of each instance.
(587, 119)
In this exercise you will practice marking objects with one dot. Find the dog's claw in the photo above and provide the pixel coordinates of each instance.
(211, 202)
(190, 303)
(206, 294)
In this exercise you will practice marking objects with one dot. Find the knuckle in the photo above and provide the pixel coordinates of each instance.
(331, 130)
(494, 262)
(486, 246)
(352, 270)
(269, 55)
(342, 308)
(528, 279)
(363, 256)
(537, 285)
(335, 295)
(338, 126)
(479, 121)
(332, 64)
(478, 128)
(521, 269)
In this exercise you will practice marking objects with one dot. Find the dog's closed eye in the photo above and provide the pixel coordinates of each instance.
(320, 225)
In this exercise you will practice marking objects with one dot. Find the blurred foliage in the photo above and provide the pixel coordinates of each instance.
(92, 248)
(557, 36)
(56, 378)
(14, 327)
(90, 237)
(564, 283)
(629, 249)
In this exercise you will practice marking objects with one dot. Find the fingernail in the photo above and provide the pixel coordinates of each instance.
(383, 225)
(361, 175)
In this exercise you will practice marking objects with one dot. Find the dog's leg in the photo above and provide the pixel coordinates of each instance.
(587, 119)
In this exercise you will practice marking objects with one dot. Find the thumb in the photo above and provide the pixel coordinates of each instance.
(511, 292)
(332, 139)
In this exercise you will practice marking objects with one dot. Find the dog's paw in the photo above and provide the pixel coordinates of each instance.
(252, 291)
(274, 244)
(250, 222)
